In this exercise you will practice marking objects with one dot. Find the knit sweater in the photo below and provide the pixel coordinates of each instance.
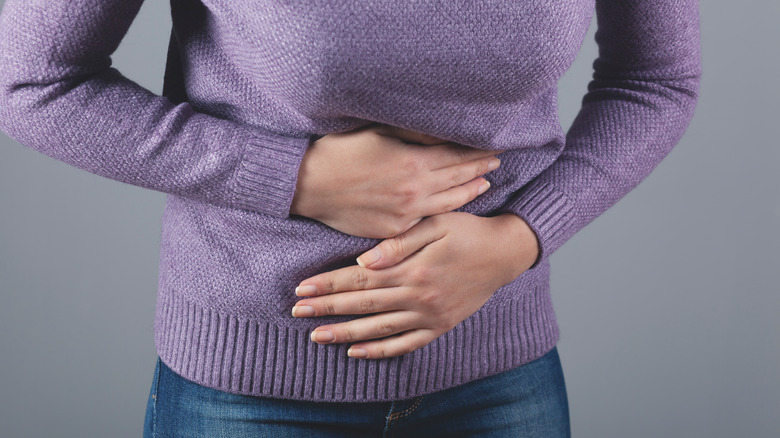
(251, 83)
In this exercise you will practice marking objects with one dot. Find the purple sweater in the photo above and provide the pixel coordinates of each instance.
(250, 83)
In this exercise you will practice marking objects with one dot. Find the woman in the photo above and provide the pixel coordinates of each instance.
(342, 254)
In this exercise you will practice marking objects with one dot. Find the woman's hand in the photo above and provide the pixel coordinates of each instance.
(420, 284)
(380, 180)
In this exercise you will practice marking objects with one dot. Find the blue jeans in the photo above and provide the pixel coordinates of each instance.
(528, 401)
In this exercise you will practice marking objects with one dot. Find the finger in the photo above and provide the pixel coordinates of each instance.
(401, 344)
(446, 155)
(393, 250)
(352, 303)
(369, 327)
(346, 279)
(456, 197)
(453, 176)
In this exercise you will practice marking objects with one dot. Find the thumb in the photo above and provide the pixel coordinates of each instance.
(392, 251)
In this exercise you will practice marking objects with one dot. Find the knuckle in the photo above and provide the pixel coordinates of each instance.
(457, 177)
(367, 305)
(393, 229)
(385, 329)
(330, 284)
(419, 274)
(348, 335)
(430, 299)
(460, 154)
(328, 308)
(359, 278)
(426, 300)
(414, 163)
(397, 244)
(410, 192)
(403, 211)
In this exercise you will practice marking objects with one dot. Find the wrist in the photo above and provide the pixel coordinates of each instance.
(302, 203)
(521, 237)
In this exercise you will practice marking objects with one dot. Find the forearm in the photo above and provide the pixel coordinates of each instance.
(60, 96)
(637, 108)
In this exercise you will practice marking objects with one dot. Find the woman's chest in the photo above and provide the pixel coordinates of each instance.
(488, 50)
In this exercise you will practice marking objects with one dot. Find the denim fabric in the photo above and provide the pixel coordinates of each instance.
(528, 401)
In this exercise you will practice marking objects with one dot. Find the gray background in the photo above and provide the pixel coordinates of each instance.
(666, 303)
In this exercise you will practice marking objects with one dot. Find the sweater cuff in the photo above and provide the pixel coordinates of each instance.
(547, 211)
(268, 173)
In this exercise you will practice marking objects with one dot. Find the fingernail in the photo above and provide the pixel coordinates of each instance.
(322, 336)
(304, 291)
(483, 188)
(369, 258)
(357, 353)
(493, 164)
(302, 311)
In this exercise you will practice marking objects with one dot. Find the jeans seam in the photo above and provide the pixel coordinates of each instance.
(406, 412)
(394, 417)
(155, 396)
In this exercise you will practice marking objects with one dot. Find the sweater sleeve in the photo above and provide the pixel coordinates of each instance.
(639, 102)
(60, 96)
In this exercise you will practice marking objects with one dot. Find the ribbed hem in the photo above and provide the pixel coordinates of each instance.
(269, 173)
(547, 211)
(259, 358)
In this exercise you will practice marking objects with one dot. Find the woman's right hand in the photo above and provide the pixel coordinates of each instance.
(379, 181)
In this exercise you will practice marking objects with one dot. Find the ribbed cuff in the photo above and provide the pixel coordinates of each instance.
(547, 211)
(269, 172)
(260, 358)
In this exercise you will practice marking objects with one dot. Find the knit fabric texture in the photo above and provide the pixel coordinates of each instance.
(250, 83)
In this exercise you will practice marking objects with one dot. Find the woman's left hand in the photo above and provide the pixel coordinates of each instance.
(420, 284)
